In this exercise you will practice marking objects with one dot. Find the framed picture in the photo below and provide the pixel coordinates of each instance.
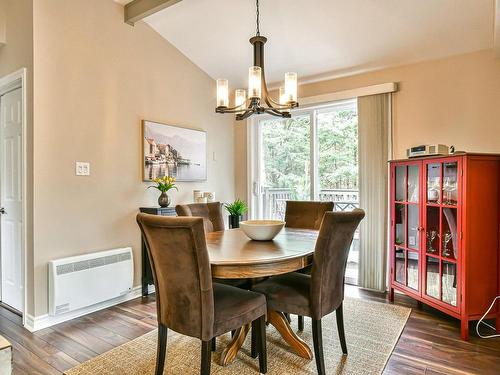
(173, 151)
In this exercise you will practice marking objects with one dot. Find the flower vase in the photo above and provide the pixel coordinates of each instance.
(164, 199)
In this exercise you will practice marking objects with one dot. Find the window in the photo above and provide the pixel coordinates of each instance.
(312, 156)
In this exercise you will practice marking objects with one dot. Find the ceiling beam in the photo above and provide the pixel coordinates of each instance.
(497, 29)
(139, 9)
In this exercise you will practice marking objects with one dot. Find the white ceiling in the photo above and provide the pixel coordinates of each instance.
(323, 38)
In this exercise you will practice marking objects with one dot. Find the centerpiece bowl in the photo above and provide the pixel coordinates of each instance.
(262, 230)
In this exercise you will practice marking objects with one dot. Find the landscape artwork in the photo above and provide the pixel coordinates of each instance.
(174, 151)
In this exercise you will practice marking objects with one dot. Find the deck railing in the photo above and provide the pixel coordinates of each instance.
(275, 198)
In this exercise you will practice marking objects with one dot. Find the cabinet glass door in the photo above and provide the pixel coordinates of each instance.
(434, 183)
(407, 225)
(441, 230)
(450, 183)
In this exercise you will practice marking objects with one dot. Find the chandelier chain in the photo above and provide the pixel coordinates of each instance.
(258, 23)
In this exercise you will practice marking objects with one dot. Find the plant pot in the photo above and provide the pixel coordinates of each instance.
(234, 221)
(164, 199)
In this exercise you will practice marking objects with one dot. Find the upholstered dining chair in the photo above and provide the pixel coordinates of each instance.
(213, 222)
(305, 215)
(322, 292)
(210, 212)
(186, 299)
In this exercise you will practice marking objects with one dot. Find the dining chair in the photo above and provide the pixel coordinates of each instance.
(322, 292)
(305, 215)
(210, 212)
(212, 222)
(187, 301)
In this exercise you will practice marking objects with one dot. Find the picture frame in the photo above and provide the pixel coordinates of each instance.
(170, 150)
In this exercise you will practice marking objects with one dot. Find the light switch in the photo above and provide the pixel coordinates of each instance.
(82, 168)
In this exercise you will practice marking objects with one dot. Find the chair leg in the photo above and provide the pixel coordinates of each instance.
(214, 344)
(254, 351)
(161, 349)
(318, 346)
(340, 327)
(261, 338)
(301, 323)
(206, 357)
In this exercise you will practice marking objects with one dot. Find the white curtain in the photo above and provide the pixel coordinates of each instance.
(374, 129)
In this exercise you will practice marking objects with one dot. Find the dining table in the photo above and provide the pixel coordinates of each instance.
(233, 255)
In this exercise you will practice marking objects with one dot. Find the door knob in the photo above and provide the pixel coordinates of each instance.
(2, 211)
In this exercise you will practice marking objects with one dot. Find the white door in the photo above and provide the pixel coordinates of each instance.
(11, 199)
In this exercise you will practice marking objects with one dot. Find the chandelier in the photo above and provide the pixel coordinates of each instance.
(258, 100)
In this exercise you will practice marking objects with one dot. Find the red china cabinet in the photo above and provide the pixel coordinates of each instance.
(445, 237)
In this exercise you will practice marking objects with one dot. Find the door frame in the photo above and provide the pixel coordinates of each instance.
(254, 152)
(15, 80)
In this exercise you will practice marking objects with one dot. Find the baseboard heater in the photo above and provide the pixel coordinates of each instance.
(81, 281)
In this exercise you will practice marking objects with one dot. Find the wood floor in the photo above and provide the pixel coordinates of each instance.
(430, 343)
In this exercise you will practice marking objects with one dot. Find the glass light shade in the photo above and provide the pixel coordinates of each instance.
(222, 93)
(282, 97)
(254, 82)
(240, 97)
(283, 100)
(291, 86)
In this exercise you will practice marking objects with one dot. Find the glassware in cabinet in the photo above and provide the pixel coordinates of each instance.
(432, 230)
(434, 183)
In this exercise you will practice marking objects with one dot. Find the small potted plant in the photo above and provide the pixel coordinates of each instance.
(164, 184)
(236, 211)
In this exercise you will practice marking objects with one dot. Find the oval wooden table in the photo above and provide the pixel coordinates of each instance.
(234, 256)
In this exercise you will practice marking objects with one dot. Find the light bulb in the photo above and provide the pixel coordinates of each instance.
(291, 86)
(254, 82)
(222, 93)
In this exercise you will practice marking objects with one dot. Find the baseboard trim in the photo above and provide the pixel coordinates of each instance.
(36, 323)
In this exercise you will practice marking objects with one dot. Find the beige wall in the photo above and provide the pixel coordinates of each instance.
(3, 22)
(95, 79)
(454, 101)
(16, 30)
(17, 53)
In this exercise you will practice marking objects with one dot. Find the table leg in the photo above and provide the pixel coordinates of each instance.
(229, 353)
(279, 321)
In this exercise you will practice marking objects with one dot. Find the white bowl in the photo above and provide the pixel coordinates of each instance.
(262, 230)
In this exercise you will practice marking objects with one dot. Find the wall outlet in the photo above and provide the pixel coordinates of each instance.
(82, 168)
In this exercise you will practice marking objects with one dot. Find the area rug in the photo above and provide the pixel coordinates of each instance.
(372, 331)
